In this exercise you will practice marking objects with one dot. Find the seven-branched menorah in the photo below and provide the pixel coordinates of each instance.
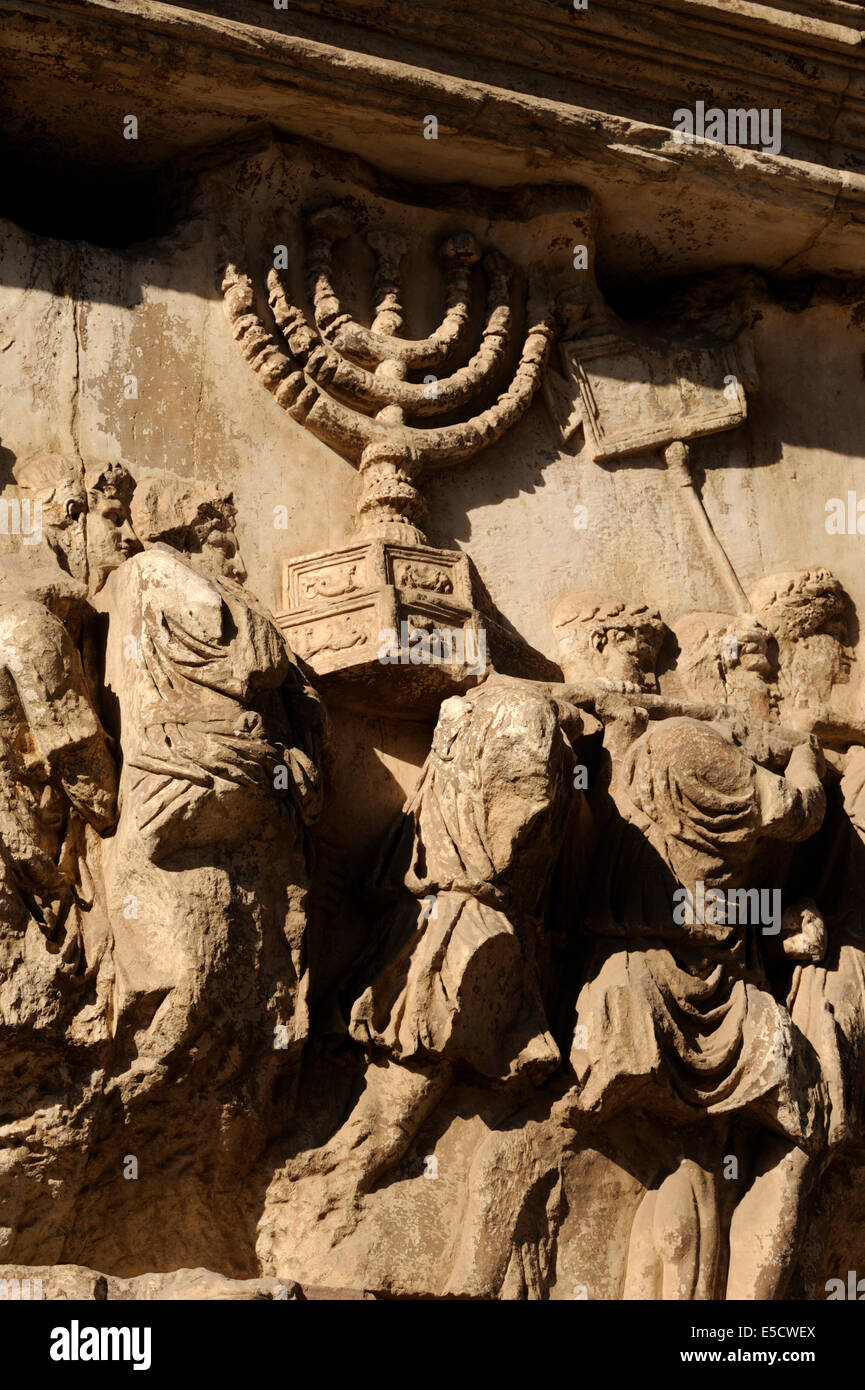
(350, 385)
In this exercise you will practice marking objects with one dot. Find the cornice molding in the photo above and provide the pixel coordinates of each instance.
(584, 98)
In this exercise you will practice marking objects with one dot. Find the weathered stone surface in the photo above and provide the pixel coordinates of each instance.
(432, 741)
(74, 1282)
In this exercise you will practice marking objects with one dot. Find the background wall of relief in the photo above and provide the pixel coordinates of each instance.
(710, 239)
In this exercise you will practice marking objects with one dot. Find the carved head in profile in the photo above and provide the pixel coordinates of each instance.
(800, 603)
(745, 646)
(56, 485)
(84, 513)
(608, 640)
(110, 537)
(806, 613)
(724, 657)
(170, 510)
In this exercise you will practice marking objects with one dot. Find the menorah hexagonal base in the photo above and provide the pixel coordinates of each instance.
(394, 626)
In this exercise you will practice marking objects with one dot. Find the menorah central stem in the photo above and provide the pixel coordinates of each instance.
(391, 414)
(391, 507)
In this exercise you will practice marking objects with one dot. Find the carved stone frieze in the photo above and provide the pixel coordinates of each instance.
(432, 742)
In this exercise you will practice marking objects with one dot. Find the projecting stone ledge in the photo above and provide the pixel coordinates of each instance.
(29, 1283)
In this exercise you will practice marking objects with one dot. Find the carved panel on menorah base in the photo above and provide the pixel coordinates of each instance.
(326, 576)
(385, 625)
(398, 627)
(340, 634)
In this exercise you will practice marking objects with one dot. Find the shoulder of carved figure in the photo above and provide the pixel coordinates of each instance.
(24, 623)
(18, 608)
(41, 659)
(157, 560)
(165, 581)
